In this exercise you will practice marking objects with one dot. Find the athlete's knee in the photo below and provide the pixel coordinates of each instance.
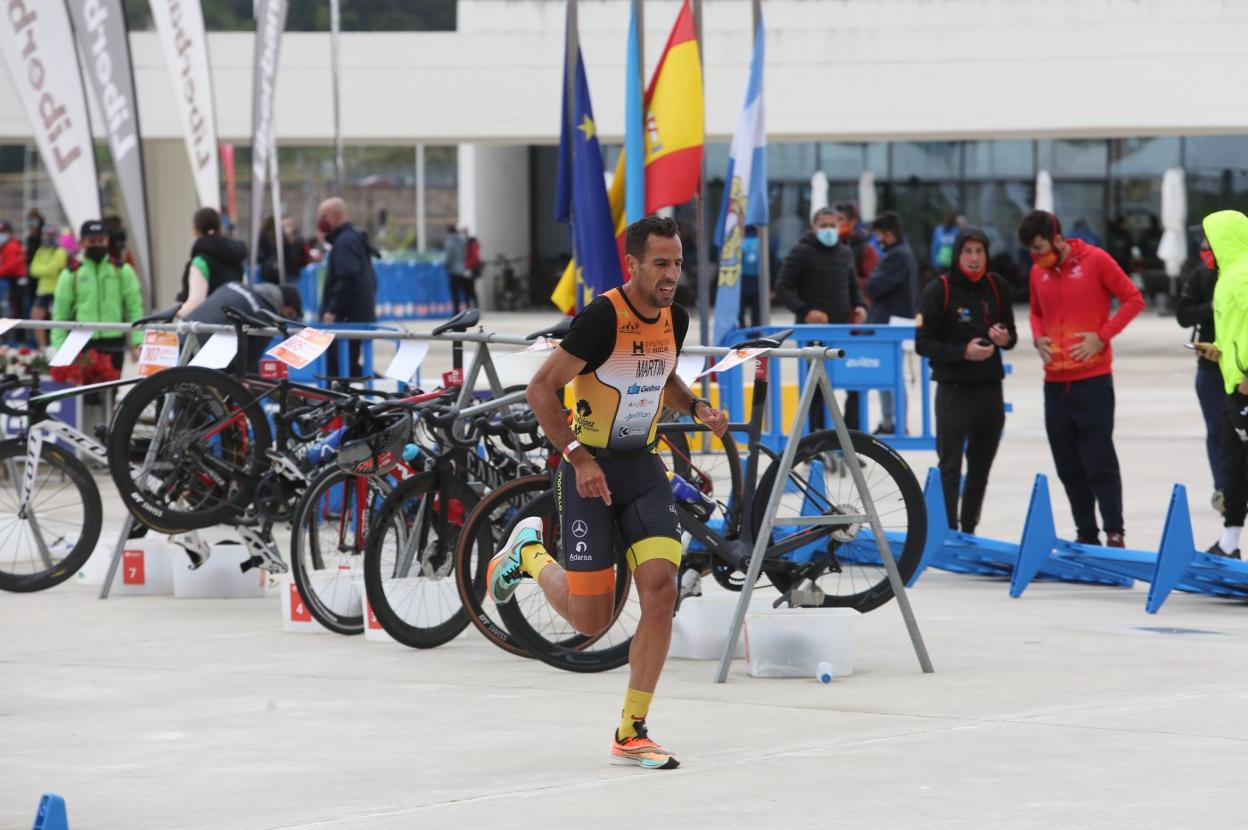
(590, 615)
(656, 587)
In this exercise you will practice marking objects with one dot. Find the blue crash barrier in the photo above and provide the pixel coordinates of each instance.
(1176, 565)
(874, 360)
(406, 290)
(958, 552)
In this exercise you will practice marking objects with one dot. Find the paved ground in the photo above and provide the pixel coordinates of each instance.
(1070, 707)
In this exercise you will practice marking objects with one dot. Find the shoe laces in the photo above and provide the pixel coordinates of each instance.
(642, 735)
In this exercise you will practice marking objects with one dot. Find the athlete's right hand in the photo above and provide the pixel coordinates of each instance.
(591, 482)
(1044, 345)
(976, 351)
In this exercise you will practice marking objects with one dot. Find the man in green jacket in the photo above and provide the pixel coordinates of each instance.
(99, 292)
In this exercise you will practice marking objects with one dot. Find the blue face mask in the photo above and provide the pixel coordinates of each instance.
(828, 236)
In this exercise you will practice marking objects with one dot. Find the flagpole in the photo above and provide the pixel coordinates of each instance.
(335, 28)
(764, 232)
(572, 36)
(704, 259)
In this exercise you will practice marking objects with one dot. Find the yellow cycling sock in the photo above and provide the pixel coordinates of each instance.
(534, 559)
(636, 706)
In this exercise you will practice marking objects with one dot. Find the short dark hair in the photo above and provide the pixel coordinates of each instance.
(1039, 223)
(889, 222)
(849, 210)
(823, 211)
(207, 220)
(639, 233)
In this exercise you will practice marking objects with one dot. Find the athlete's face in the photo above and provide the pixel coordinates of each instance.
(658, 270)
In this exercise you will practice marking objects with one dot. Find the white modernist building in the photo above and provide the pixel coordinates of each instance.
(1005, 78)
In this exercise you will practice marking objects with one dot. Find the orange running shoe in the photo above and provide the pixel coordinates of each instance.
(641, 751)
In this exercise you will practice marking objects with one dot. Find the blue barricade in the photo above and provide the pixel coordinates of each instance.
(406, 290)
(874, 360)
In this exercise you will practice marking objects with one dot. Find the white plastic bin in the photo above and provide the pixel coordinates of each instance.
(700, 627)
(95, 568)
(792, 642)
(146, 568)
(220, 577)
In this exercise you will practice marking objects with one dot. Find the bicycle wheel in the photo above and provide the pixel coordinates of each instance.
(45, 542)
(208, 444)
(408, 560)
(328, 533)
(844, 561)
(543, 633)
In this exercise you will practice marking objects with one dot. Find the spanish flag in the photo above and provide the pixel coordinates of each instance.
(674, 137)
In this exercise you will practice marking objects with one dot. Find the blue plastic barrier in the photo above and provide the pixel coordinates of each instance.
(406, 290)
(51, 813)
(1040, 548)
(958, 552)
(1179, 565)
(874, 360)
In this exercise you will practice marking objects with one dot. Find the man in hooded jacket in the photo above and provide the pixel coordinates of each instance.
(964, 321)
(1227, 234)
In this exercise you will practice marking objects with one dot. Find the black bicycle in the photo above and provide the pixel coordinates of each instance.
(817, 564)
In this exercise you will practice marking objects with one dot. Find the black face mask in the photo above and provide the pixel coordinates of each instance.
(95, 253)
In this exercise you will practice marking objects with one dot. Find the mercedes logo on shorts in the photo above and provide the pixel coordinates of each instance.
(579, 529)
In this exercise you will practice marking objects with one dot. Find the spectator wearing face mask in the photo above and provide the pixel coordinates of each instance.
(865, 255)
(49, 261)
(964, 321)
(34, 233)
(819, 285)
(1073, 285)
(99, 291)
(893, 289)
(12, 267)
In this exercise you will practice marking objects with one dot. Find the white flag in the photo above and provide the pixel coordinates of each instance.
(37, 43)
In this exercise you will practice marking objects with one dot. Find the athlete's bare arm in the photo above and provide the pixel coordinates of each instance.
(543, 396)
(678, 396)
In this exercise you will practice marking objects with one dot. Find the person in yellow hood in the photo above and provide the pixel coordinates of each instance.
(1226, 235)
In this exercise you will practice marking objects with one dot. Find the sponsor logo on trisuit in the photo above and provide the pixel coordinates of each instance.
(637, 389)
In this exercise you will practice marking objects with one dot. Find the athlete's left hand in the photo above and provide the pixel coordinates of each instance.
(715, 419)
(1089, 345)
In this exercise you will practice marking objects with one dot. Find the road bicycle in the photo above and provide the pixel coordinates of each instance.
(810, 565)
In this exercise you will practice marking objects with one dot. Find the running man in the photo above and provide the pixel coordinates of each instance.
(620, 359)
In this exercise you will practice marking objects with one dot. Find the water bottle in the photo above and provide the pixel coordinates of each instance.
(699, 503)
(410, 452)
(823, 672)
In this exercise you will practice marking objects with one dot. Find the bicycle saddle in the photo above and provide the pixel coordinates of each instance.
(771, 342)
(163, 316)
(462, 321)
(557, 331)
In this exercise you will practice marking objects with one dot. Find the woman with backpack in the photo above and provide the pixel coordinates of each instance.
(215, 260)
(964, 320)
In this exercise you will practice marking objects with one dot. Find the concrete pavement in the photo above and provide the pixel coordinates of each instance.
(1070, 707)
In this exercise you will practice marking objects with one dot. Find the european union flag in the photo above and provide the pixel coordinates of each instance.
(581, 197)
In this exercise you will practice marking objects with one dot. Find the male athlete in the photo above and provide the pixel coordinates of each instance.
(620, 359)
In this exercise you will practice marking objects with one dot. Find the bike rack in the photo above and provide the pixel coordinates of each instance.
(816, 377)
(193, 331)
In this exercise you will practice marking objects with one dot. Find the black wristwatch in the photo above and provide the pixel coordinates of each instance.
(694, 406)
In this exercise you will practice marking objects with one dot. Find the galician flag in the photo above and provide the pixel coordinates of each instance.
(745, 196)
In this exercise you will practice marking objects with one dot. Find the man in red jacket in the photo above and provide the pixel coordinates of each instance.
(1072, 285)
(13, 266)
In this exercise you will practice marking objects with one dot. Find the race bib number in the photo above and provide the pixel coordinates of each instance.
(303, 347)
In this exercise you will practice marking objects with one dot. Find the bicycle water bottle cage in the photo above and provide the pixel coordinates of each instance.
(462, 321)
